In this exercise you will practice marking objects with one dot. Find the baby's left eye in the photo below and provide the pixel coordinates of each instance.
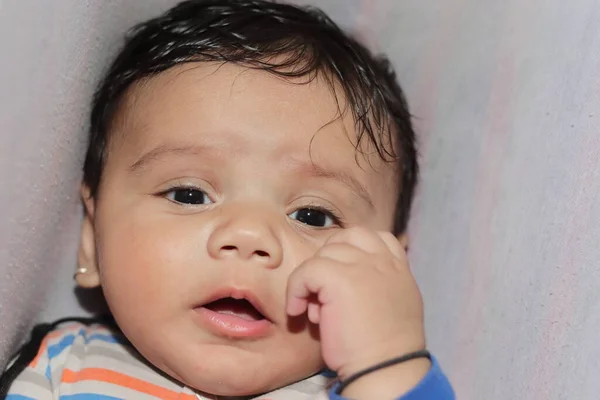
(314, 217)
(188, 196)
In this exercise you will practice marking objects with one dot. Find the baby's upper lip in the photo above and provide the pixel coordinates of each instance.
(238, 294)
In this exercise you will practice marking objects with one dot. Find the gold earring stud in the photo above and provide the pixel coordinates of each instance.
(80, 271)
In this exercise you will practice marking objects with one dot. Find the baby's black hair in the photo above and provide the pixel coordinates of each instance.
(283, 39)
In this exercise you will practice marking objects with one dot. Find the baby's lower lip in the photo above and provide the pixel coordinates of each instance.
(232, 325)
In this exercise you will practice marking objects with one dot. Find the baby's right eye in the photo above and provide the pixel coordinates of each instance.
(187, 196)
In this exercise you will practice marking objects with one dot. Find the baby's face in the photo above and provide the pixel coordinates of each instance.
(219, 182)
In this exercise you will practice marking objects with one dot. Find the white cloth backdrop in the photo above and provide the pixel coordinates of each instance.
(51, 55)
(505, 233)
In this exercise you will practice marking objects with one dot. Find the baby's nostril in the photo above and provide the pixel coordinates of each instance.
(228, 248)
(261, 253)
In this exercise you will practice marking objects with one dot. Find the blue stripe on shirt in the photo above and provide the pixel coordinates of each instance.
(106, 338)
(56, 349)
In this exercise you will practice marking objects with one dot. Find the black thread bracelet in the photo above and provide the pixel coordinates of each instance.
(398, 360)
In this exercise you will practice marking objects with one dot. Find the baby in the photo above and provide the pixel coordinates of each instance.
(247, 187)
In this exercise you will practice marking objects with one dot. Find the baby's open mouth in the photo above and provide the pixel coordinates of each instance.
(240, 308)
(235, 314)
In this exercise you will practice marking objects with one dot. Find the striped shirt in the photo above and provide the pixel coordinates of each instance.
(79, 362)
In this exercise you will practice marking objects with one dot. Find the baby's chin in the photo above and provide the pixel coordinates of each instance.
(228, 376)
(234, 387)
(237, 384)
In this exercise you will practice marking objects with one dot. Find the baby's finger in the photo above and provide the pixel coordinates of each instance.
(310, 279)
(314, 312)
(296, 306)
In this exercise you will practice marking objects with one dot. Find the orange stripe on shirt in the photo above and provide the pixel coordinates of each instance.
(116, 378)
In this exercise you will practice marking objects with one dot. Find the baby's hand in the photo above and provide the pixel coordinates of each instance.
(359, 289)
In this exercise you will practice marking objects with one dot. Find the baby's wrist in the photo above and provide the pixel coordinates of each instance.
(383, 352)
(388, 379)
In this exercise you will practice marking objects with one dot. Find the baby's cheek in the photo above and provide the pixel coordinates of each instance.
(141, 263)
(301, 247)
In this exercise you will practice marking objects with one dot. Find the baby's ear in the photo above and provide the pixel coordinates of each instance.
(87, 274)
(403, 239)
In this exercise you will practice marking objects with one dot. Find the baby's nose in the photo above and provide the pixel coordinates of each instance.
(248, 237)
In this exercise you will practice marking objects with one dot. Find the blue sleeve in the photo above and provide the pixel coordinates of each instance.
(433, 386)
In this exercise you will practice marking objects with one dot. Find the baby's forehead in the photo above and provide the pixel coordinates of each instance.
(202, 94)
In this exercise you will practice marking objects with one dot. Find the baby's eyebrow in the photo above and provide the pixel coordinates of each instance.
(317, 171)
(163, 151)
